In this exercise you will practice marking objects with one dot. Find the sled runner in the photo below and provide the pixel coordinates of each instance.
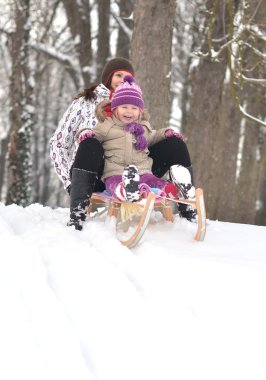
(121, 214)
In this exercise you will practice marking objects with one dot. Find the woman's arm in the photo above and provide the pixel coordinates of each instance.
(63, 142)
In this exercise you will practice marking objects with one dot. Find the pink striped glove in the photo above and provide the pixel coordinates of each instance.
(87, 135)
(171, 133)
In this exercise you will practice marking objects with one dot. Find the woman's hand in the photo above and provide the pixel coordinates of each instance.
(88, 135)
(171, 133)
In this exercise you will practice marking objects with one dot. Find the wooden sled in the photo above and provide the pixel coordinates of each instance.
(114, 209)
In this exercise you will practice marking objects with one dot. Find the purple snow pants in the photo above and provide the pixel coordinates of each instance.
(148, 178)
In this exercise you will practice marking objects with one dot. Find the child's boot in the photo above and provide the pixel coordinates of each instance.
(130, 180)
(182, 177)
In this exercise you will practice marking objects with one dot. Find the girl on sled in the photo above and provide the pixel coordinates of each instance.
(79, 158)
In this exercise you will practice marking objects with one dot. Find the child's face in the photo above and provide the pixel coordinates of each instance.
(127, 113)
(118, 78)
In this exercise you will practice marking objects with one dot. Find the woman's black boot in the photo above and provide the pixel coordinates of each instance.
(82, 187)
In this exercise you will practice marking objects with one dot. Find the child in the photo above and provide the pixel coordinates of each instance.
(126, 137)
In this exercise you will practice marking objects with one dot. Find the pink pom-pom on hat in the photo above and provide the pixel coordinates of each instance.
(127, 93)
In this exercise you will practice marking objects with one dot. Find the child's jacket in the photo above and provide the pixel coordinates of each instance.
(119, 146)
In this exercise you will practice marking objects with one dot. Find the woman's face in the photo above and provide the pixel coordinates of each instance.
(118, 78)
(127, 113)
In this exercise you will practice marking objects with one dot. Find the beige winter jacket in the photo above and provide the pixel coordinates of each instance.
(119, 146)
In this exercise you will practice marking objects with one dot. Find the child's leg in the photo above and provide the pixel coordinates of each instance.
(112, 182)
(153, 181)
(125, 187)
(158, 183)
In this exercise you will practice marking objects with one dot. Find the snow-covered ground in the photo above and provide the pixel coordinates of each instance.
(79, 305)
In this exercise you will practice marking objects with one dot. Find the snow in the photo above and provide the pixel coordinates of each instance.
(79, 305)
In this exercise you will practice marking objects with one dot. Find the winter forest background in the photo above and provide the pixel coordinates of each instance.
(201, 65)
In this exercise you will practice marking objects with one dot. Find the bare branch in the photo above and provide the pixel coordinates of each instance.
(6, 31)
(256, 51)
(253, 118)
(254, 29)
(214, 55)
(53, 53)
(121, 23)
(68, 61)
(254, 80)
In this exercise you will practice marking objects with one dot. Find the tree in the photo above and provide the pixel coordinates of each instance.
(261, 212)
(227, 97)
(78, 16)
(124, 36)
(250, 76)
(22, 112)
(103, 50)
(203, 126)
(151, 55)
(4, 106)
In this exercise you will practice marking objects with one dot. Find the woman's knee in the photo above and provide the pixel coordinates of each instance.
(169, 152)
(90, 146)
(178, 151)
(90, 155)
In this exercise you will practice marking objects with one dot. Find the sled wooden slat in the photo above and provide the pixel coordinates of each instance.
(142, 225)
(114, 208)
(200, 206)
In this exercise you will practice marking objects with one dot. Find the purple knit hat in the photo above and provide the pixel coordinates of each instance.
(127, 93)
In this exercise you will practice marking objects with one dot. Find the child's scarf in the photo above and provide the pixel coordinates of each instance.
(138, 131)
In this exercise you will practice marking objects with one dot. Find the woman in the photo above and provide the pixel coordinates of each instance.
(79, 160)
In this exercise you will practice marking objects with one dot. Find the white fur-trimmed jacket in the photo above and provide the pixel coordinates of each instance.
(78, 119)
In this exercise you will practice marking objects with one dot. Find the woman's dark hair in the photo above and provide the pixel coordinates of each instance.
(89, 93)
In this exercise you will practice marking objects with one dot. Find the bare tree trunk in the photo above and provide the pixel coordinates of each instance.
(253, 95)
(44, 168)
(261, 213)
(151, 55)
(103, 35)
(224, 166)
(250, 182)
(245, 211)
(123, 40)
(203, 126)
(21, 114)
(78, 16)
(41, 139)
(3, 150)
(51, 188)
(35, 169)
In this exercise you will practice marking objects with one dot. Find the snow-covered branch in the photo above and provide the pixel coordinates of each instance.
(67, 60)
(254, 80)
(121, 23)
(253, 118)
(53, 53)
(7, 31)
(256, 51)
(255, 30)
(215, 54)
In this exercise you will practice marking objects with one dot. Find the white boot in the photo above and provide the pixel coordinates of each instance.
(181, 177)
(130, 180)
(128, 190)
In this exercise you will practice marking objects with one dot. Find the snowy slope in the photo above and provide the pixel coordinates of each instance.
(81, 306)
